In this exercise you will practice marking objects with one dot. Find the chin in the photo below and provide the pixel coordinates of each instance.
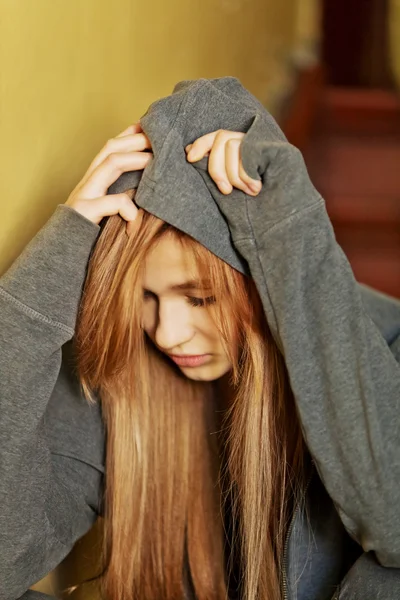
(206, 373)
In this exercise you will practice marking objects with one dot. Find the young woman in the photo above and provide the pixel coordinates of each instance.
(240, 439)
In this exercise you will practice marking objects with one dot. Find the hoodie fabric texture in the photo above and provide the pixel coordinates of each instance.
(340, 340)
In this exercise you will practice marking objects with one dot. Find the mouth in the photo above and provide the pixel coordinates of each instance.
(189, 360)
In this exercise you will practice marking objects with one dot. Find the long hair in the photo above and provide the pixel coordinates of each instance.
(165, 480)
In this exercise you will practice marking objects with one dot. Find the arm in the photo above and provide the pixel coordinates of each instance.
(384, 310)
(345, 378)
(50, 438)
(35, 595)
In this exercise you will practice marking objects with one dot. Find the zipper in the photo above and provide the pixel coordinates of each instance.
(284, 579)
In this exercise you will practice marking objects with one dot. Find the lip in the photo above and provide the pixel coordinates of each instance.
(189, 360)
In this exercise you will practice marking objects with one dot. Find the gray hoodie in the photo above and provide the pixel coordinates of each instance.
(340, 340)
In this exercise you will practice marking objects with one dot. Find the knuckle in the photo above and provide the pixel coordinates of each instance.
(109, 144)
(112, 160)
(237, 182)
(127, 197)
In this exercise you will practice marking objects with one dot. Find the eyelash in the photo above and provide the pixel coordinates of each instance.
(201, 301)
(193, 301)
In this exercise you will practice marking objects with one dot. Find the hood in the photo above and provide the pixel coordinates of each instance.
(181, 193)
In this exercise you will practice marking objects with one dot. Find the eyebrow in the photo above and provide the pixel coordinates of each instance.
(190, 285)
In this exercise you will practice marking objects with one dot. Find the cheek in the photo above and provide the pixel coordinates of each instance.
(148, 319)
(215, 338)
(206, 324)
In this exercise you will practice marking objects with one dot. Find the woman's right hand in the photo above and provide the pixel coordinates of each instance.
(120, 154)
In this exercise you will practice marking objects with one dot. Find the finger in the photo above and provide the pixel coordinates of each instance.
(110, 169)
(131, 193)
(131, 226)
(234, 168)
(122, 204)
(200, 146)
(204, 144)
(232, 159)
(112, 204)
(128, 143)
(216, 161)
(189, 147)
(134, 128)
(254, 184)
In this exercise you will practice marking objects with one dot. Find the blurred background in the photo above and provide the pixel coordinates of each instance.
(74, 74)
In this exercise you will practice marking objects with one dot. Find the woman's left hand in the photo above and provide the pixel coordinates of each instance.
(225, 164)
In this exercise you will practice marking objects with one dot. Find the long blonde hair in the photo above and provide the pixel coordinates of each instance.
(165, 482)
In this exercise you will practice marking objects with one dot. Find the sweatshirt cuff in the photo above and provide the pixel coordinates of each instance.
(49, 274)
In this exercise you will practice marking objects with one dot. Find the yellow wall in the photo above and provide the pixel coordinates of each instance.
(73, 74)
(308, 30)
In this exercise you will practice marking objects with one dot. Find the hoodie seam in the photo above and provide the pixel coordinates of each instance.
(145, 181)
(178, 111)
(94, 465)
(253, 241)
(33, 313)
(190, 99)
(282, 222)
(278, 224)
(242, 103)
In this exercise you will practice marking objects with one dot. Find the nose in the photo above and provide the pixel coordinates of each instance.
(173, 328)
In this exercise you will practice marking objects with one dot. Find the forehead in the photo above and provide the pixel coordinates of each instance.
(167, 264)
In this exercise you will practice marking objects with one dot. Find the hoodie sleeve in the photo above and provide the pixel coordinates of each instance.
(35, 595)
(344, 375)
(50, 438)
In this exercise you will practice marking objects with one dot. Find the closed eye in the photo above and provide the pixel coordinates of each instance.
(193, 301)
(147, 294)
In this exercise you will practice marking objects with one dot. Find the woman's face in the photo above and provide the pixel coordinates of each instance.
(174, 316)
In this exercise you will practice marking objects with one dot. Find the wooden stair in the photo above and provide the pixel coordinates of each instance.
(353, 157)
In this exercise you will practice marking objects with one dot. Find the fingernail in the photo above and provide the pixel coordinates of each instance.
(193, 156)
(225, 187)
(254, 186)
